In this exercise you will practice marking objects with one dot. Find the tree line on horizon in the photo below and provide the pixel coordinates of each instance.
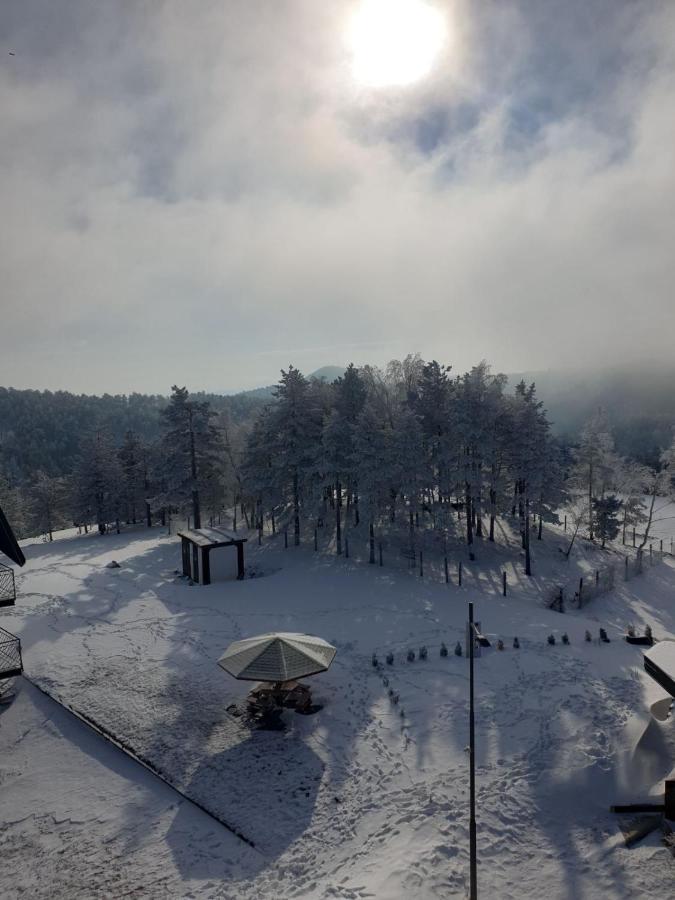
(411, 443)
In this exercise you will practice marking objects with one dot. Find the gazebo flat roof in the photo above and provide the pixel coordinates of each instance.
(211, 537)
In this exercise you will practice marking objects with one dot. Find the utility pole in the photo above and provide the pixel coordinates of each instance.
(473, 887)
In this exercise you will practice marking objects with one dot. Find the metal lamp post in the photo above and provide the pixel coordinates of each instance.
(473, 887)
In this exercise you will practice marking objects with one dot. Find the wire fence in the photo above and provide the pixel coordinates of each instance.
(579, 593)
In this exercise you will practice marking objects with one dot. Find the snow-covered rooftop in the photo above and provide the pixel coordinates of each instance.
(210, 536)
(663, 655)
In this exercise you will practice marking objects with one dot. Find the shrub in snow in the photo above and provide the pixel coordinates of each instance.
(565, 639)
(389, 659)
(444, 650)
(423, 652)
(500, 644)
(458, 649)
(551, 639)
(603, 636)
(374, 661)
(411, 656)
(588, 636)
(648, 632)
(516, 644)
(113, 564)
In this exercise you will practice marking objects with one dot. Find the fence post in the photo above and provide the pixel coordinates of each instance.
(460, 573)
(347, 548)
(285, 538)
(445, 563)
(504, 583)
(565, 523)
(661, 545)
(625, 575)
(316, 539)
(633, 537)
(597, 577)
(421, 566)
(650, 552)
(380, 549)
(581, 587)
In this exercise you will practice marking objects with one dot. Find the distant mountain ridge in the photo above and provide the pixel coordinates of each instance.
(325, 373)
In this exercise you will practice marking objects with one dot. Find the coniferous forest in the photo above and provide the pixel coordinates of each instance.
(374, 449)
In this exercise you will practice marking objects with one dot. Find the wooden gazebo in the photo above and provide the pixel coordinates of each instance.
(197, 545)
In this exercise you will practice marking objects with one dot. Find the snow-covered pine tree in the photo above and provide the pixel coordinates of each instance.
(633, 480)
(48, 498)
(337, 467)
(606, 512)
(373, 466)
(409, 457)
(661, 485)
(531, 460)
(15, 505)
(295, 423)
(477, 396)
(192, 451)
(596, 461)
(97, 481)
(257, 470)
(434, 409)
(133, 476)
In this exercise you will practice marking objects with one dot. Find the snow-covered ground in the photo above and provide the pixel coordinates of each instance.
(365, 798)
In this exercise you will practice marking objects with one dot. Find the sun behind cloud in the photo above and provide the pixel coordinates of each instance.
(395, 42)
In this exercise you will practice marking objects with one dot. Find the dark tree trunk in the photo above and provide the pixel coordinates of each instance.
(528, 567)
(296, 509)
(338, 518)
(372, 544)
(196, 512)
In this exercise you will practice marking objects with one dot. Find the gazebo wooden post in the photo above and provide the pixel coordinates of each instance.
(206, 565)
(240, 560)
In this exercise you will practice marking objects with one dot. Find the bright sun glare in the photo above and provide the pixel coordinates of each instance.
(395, 42)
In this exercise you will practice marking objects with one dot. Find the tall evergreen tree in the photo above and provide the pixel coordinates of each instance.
(191, 445)
(606, 517)
(134, 476)
(97, 480)
(48, 504)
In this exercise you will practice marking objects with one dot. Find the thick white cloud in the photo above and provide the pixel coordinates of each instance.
(202, 194)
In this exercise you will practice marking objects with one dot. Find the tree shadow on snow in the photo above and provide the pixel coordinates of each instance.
(264, 787)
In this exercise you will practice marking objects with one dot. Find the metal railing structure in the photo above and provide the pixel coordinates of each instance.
(10, 655)
(7, 588)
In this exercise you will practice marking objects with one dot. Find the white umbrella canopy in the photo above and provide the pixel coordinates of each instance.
(279, 656)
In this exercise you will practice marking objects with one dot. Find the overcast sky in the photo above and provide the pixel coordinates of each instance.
(204, 192)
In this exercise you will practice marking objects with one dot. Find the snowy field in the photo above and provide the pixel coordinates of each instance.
(363, 799)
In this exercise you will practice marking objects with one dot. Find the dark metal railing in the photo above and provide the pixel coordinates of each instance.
(7, 588)
(10, 655)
